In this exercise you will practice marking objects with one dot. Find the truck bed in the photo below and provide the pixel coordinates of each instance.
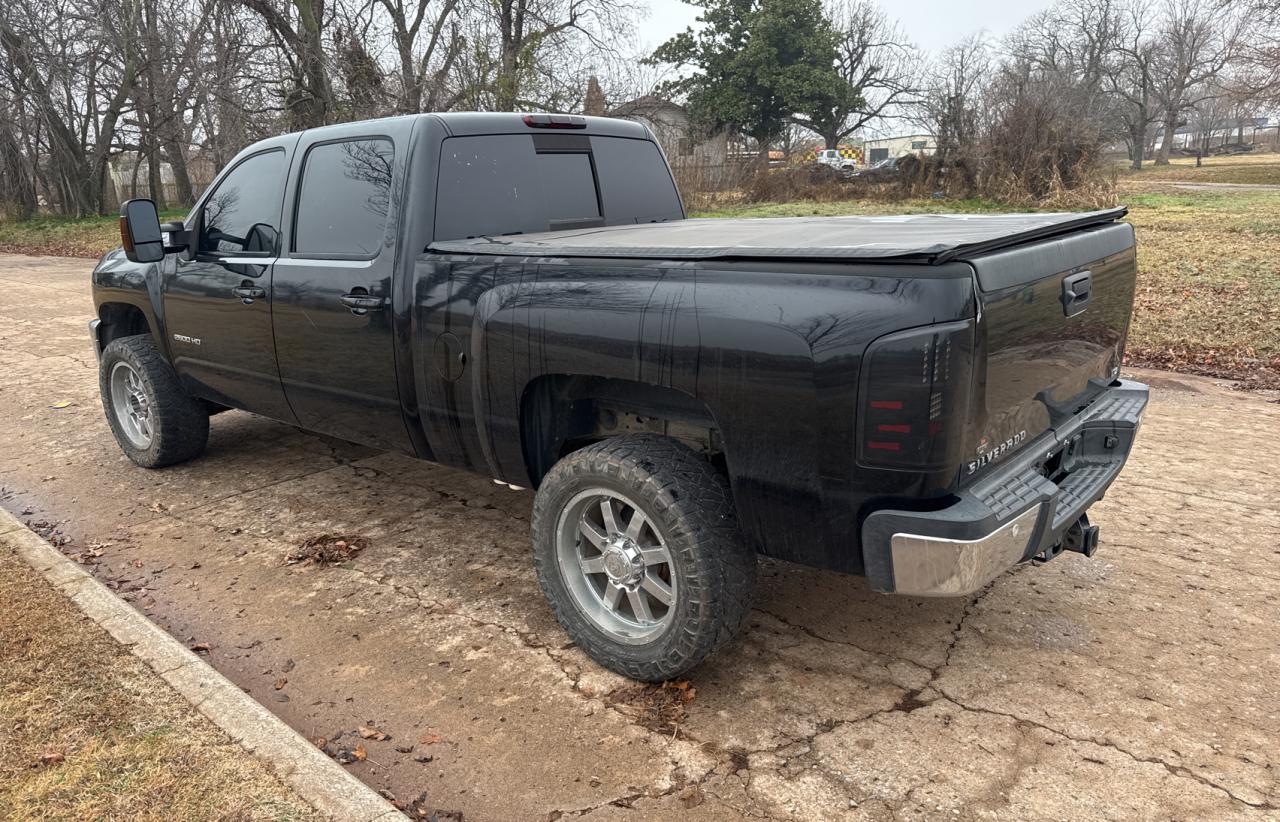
(923, 238)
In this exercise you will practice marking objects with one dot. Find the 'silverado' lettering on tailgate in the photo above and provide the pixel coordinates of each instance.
(985, 458)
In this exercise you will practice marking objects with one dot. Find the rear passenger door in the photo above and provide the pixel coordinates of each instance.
(331, 289)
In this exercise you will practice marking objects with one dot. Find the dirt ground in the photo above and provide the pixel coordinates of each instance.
(1140, 684)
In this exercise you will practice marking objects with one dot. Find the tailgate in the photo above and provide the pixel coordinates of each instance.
(1051, 334)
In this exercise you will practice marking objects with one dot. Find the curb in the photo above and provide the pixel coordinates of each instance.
(299, 764)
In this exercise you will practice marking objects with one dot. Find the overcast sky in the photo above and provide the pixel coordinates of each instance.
(931, 24)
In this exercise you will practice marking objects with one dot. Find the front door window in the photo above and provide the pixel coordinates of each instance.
(242, 215)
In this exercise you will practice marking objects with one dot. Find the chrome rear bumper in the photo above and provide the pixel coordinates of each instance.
(1014, 514)
(936, 566)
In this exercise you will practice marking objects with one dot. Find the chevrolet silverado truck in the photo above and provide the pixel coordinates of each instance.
(926, 401)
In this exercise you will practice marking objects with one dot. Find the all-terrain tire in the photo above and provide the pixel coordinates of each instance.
(690, 504)
(179, 423)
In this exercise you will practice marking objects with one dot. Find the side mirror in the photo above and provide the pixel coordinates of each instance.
(140, 231)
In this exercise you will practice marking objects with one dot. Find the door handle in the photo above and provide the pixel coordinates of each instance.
(249, 293)
(361, 303)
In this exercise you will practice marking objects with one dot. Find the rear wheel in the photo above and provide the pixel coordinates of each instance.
(155, 421)
(637, 548)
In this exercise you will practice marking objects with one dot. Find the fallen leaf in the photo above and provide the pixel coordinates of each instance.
(431, 739)
(280, 683)
(61, 404)
(373, 733)
(360, 753)
(327, 550)
(200, 647)
(51, 758)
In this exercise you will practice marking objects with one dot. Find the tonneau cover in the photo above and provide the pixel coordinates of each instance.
(931, 238)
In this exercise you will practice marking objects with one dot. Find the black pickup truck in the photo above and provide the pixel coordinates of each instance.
(926, 401)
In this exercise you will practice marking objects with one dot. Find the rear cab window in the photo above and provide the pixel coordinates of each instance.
(519, 184)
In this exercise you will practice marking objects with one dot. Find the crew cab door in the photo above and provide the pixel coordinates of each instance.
(331, 290)
(217, 303)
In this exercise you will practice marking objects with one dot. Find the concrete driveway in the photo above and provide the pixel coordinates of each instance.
(1141, 684)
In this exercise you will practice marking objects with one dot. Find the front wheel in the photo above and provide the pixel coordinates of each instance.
(155, 421)
(637, 548)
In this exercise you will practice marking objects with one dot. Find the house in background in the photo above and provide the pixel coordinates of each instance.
(886, 147)
(694, 158)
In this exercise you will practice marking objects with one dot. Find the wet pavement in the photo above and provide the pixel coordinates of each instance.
(1140, 684)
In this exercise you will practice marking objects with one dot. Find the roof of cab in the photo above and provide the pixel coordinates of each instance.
(458, 123)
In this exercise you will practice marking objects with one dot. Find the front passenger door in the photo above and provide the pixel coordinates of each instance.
(218, 304)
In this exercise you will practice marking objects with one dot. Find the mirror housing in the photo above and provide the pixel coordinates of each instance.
(140, 231)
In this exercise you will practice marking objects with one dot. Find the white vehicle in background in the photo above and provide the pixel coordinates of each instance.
(832, 157)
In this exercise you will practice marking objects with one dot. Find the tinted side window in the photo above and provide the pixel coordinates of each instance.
(634, 182)
(344, 198)
(242, 215)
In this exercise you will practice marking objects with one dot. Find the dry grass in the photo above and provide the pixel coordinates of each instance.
(1208, 282)
(1256, 168)
(87, 731)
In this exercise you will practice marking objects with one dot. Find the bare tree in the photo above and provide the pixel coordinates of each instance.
(299, 28)
(1131, 79)
(951, 106)
(1198, 39)
(49, 49)
(425, 56)
(877, 62)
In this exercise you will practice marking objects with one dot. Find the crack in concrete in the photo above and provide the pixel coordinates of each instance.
(1176, 770)
(812, 634)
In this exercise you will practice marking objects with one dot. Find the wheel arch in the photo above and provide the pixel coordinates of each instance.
(122, 319)
(560, 413)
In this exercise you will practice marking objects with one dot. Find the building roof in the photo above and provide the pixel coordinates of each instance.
(648, 104)
(898, 137)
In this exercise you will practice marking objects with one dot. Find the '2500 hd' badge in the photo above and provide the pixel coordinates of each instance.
(986, 457)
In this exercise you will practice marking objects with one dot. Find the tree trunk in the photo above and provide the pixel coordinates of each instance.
(1138, 145)
(1166, 144)
(155, 177)
(178, 163)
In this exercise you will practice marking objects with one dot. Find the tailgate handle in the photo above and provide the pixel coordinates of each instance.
(1075, 293)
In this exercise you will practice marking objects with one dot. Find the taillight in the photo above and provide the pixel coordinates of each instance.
(915, 391)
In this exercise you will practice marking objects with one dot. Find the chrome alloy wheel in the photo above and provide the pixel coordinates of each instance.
(131, 405)
(616, 565)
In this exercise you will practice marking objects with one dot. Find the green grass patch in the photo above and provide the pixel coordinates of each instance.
(66, 236)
